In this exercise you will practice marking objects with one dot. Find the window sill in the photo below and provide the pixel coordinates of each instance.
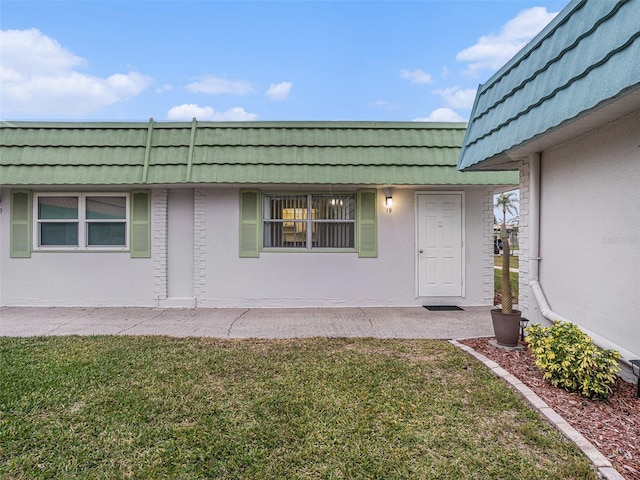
(81, 250)
(304, 250)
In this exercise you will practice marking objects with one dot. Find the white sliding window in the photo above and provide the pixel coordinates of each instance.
(58, 221)
(106, 221)
(81, 221)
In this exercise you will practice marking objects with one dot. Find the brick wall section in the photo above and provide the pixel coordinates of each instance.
(199, 244)
(487, 247)
(159, 242)
(523, 236)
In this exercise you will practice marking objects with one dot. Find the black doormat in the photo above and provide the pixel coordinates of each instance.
(443, 308)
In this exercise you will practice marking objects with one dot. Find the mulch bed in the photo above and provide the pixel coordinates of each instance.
(613, 425)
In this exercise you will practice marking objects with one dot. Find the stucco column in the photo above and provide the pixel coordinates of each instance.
(159, 244)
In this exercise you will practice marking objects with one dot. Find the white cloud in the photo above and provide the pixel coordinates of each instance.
(457, 97)
(32, 53)
(216, 86)
(40, 77)
(188, 111)
(279, 91)
(441, 115)
(128, 85)
(416, 76)
(492, 51)
(384, 104)
(164, 88)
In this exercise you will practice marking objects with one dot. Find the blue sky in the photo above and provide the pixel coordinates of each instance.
(256, 60)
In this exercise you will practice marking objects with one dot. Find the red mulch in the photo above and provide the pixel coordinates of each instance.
(613, 425)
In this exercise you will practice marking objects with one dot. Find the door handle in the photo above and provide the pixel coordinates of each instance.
(421, 251)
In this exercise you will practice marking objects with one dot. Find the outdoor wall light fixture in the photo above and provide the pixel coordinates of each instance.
(388, 200)
(523, 325)
(635, 365)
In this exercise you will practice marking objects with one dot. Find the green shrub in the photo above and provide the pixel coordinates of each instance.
(569, 359)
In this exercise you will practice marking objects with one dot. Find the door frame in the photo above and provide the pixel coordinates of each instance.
(463, 235)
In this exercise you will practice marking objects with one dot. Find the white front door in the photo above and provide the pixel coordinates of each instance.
(440, 245)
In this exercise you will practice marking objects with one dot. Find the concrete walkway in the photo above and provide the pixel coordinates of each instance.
(378, 322)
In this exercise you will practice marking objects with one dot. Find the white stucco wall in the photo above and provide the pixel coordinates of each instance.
(71, 278)
(590, 232)
(75, 279)
(279, 279)
(180, 245)
(525, 297)
(195, 262)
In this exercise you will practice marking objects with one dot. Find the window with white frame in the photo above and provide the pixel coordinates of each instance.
(309, 221)
(81, 220)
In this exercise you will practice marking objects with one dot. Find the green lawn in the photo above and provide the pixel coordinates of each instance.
(514, 261)
(161, 408)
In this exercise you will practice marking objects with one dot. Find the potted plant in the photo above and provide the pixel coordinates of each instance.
(506, 320)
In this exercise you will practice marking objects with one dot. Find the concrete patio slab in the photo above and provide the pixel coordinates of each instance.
(377, 322)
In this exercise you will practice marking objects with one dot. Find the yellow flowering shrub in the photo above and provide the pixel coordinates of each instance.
(569, 359)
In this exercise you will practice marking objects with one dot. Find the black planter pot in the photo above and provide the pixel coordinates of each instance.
(506, 327)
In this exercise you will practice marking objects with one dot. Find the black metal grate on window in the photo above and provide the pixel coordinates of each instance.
(309, 221)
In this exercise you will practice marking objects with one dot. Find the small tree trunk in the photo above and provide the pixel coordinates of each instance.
(507, 296)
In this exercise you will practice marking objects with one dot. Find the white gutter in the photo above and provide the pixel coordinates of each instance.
(534, 265)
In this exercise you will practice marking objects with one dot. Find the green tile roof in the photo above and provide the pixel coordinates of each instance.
(586, 57)
(363, 153)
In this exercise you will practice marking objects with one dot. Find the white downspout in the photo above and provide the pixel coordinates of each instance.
(534, 265)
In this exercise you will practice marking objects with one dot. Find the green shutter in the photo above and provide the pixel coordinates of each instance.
(249, 223)
(21, 211)
(367, 224)
(140, 224)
